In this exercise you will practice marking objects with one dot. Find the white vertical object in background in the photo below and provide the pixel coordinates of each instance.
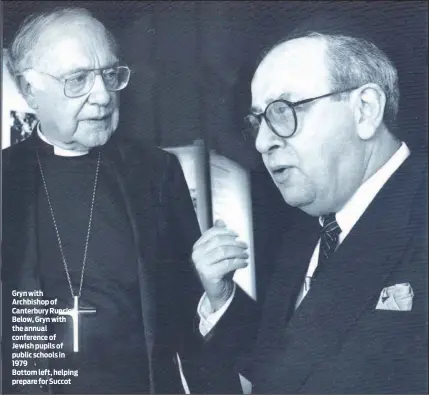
(11, 100)
(191, 158)
(231, 201)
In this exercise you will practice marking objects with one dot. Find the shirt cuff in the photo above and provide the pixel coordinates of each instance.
(208, 318)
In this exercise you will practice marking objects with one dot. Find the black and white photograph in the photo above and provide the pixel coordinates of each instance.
(22, 125)
(18, 118)
(214, 197)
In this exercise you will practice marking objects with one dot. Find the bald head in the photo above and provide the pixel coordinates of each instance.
(348, 61)
(292, 70)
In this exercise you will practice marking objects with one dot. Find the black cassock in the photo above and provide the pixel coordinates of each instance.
(138, 274)
(112, 355)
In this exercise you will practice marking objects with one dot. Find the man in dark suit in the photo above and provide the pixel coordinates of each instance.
(92, 222)
(346, 307)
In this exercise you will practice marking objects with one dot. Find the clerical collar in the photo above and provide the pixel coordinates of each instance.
(58, 150)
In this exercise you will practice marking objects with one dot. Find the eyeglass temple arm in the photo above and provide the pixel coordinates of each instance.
(320, 97)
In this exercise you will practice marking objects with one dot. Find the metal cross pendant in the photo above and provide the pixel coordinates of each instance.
(74, 314)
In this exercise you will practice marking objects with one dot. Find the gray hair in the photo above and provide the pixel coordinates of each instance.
(23, 51)
(354, 62)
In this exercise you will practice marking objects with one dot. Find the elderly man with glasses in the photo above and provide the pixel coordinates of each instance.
(346, 307)
(98, 227)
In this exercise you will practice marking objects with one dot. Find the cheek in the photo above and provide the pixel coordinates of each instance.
(60, 114)
(115, 112)
(73, 123)
(115, 115)
(319, 145)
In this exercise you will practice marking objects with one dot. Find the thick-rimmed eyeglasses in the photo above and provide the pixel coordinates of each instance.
(80, 83)
(280, 116)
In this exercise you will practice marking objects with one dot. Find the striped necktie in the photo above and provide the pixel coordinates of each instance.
(328, 241)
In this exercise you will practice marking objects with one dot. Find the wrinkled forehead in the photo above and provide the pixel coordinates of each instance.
(74, 44)
(294, 70)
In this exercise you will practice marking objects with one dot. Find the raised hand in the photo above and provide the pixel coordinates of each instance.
(217, 255)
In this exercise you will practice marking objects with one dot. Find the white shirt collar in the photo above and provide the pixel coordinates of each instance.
(58, 150)
(359, 202)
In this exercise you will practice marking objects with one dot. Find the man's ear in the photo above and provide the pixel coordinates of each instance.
(28, 84)
(369, 110)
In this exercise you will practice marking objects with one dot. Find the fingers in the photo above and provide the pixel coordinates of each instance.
(215, 231)
(217, 244)
(204, 257)
(218, 252)
(225, 252)
(222, 268)
(222, 241)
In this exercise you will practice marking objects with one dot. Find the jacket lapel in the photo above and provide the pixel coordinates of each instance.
(351, 282)
(289, 278)
(286, 281)
(19, 247)
(136, 186)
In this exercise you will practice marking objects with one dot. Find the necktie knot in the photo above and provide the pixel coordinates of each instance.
(329, 235)
(330, 224)
(328, 243)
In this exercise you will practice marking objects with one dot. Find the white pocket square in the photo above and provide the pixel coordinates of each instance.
(397, 297)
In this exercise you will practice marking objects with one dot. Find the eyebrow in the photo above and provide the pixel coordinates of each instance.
(283, 96)
(80, 69)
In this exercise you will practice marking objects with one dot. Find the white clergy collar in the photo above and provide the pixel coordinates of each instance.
(58, 150)
(359, 202)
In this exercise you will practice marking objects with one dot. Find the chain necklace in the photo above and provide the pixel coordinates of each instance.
(60, 244)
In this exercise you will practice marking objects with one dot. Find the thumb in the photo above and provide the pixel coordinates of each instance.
(219, 222)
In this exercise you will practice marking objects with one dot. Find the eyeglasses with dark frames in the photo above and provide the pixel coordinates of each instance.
(280, 116)
(80, 83)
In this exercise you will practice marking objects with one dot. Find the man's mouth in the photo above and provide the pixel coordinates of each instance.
(100, 117)
(281, 173)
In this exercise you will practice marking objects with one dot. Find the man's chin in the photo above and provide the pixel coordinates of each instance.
(300, 202)
(94, 139)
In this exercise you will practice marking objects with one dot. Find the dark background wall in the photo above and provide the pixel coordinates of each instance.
(192, 60)
(192, 63)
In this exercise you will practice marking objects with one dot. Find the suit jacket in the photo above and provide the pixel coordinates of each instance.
(337, 341)
(164, 229)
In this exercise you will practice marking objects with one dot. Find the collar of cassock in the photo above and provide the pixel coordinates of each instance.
(47, 147)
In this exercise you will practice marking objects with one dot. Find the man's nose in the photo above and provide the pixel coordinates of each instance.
(266, 140)
(99, 94)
